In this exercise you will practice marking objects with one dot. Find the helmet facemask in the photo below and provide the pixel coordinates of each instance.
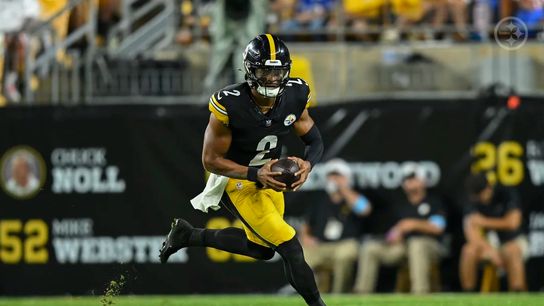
(268, 81)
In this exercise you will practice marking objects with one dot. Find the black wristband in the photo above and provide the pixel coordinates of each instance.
(252, 174)
(314, 145)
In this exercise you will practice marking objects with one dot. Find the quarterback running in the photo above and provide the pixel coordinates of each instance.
(247, 127)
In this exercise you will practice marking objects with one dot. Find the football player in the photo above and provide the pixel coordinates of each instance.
(244, 137)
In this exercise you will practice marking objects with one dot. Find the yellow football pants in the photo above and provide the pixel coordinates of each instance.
(261, 212)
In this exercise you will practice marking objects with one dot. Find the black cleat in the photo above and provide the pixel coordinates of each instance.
(177, 238)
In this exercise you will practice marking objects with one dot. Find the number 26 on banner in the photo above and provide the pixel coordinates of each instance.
(502, 162)
(14, 249)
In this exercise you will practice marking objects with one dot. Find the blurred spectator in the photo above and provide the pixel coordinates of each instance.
(415, 237)
(359, 14)
(234, 24)
(329, 234)
(309, 15)
(411, 12)
(483, 16)
(458, 10)
(531, 12)
(193, 18)
(109, 12)
(60, 24)
(15, 15)
(493, 209)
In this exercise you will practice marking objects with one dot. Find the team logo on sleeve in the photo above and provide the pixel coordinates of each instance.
(290, 119)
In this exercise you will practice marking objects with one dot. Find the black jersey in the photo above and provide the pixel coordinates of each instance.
(256, 137)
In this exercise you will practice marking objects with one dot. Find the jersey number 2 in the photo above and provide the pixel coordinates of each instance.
(271, 141)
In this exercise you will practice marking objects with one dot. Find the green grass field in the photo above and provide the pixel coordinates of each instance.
(272, 300)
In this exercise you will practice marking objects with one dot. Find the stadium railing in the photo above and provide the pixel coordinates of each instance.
(59, 66)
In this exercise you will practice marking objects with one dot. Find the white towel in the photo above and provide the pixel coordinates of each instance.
(211, 196)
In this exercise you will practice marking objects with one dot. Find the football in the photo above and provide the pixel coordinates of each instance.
(288, 168)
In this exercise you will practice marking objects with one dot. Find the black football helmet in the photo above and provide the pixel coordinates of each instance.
(267, 64)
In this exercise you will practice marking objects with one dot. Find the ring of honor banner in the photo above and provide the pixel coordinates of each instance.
(88, 193)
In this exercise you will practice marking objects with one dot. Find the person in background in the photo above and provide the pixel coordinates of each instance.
(15, 16)
(493, 209)
(234, 24)
(330, 232)
(311, 15)
(359, 15)
(458, 11)
(109, 13)
(531, 12)
(414, 237)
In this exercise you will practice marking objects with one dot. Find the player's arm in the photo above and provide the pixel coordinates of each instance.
(511, 221)
(217, 141)
(309, 133)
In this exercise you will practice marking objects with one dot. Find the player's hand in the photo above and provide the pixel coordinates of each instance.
(266, 177)
(305, 168)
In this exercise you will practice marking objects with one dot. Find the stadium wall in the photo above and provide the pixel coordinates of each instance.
(109, 179)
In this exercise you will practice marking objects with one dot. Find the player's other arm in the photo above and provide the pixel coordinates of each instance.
(308, 132)
(217, 141)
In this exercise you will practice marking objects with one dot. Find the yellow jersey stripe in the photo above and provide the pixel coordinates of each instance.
(220, 116)
(214, 105)
(272, 47)
(308, 102)
(218, 104)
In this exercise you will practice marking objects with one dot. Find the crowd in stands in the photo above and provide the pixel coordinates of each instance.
(19, 18)
(294, 20)
(381, 20)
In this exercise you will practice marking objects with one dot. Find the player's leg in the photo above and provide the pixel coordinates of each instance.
(261, 212)
(298, 272)
(230, 239)
(512, 254)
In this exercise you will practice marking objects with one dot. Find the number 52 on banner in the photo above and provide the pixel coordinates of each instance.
(23, 241)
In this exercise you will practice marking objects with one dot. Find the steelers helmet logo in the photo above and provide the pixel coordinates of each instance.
(290, 119)
(22, 172)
